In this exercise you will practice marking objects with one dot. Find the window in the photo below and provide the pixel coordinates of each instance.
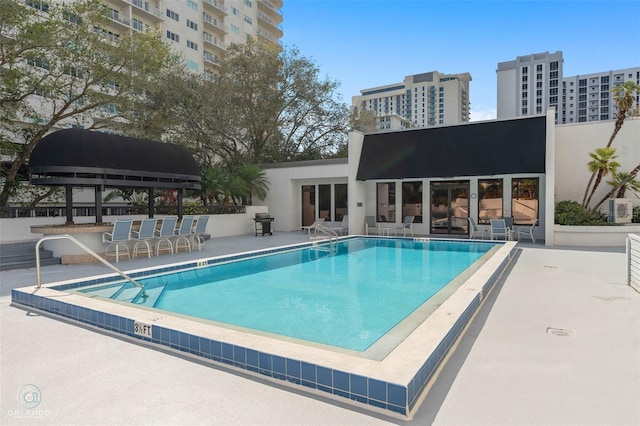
(539, 67)
(489, 200)
(340, 201)
(192, 45)
(235, 11)
(235, 29)
(192, 5)
(525, 70)
(524, 200)
(137, 25)
(38, 5)
(324, 202)
(386, 201)
(173, 36)
(412, 200)
(171, 14)
(248, 3)
(192, 65)
(553, 66)
(248, 20)
(192, 25)
(308, 204)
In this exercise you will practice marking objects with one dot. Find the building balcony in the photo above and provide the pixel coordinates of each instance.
(210, 58)
(215, 6)
(214, 24)
(271, 8)
(119, 20)
(213, 42)
(270, 23)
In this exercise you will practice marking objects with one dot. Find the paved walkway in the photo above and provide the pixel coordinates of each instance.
(556, 343)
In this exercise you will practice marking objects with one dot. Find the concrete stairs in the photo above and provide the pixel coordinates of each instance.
(23, 255)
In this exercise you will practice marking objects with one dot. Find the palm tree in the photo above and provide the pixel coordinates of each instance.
(602, 164)
(621, 183)
(255, 182)
(624, 96)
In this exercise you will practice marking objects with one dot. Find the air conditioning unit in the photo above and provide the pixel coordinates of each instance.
(620, 210)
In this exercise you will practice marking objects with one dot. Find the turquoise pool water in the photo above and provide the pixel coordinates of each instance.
(346, 297)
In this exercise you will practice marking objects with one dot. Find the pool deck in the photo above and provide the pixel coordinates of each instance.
(556, 342)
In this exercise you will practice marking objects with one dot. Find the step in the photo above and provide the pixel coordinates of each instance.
(26, 264)
(18, 257)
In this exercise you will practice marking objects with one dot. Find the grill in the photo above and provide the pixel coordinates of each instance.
(263, 223)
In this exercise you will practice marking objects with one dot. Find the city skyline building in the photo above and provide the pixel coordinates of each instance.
(531, 84)
(425, 100)
(199, 30)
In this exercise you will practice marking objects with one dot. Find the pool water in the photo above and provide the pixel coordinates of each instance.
(346, 295)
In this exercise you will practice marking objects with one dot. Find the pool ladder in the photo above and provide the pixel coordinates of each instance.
(89, 251)
(321, 232)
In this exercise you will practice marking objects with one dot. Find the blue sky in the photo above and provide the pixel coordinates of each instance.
(368, 43)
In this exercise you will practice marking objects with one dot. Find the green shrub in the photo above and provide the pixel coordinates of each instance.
(636, 215)
(572, 213)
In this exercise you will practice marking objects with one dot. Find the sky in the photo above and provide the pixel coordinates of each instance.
(368, 43)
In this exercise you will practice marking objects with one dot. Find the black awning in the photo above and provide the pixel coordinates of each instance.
(79, 157)
(475, 149)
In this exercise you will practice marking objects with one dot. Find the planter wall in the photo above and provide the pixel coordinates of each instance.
(593, 236)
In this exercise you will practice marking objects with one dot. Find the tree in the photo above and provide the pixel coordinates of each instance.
(623, 182)
(255, 182)
(602, 164)
(628, 181)
(61, 67)
(261, 107)
(624, 97)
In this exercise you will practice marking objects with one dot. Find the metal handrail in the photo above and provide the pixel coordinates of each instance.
(89, 251)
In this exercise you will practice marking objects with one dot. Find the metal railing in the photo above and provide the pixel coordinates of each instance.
(54, 211)
(89, 251)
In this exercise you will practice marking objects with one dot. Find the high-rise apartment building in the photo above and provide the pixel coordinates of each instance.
(589, 97)
(200, 30)
(427, 99)
(531, 84)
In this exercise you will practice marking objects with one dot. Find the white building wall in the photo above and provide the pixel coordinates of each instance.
(506, 93)
(574, 142)
(284, 198)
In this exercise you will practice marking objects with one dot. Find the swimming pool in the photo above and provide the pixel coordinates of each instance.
(347, 295)
(388, 378)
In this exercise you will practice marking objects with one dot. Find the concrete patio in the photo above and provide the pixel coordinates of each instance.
(557, 342)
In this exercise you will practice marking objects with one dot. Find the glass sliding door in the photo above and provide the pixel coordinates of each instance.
(412, 200)
(450, 207)
(308, 207)
(324, 202)
(386, 201)
(340, 201)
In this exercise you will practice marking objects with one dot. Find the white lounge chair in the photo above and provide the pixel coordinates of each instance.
(473, 228)
(499, 229)
(143, 235)
(344, 226)
(371, 226)
(407, 225)
(183, 233)
(311, 228)
(166, 233)
(527, 231)
(118, 237)
(200, 230)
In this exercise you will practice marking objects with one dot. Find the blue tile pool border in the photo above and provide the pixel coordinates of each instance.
(394, 397)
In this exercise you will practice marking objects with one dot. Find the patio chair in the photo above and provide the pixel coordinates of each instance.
(166, 233)
(199, 231)
(143, 236)
(499, 229)
(344, 226)
(473, 228)
(407, 225)
(370, 225)
(118, 237)
(183, 233)
(311, 228)
(527, 231)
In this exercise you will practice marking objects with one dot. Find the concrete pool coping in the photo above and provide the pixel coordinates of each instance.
(392, 386)
(506, 369)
